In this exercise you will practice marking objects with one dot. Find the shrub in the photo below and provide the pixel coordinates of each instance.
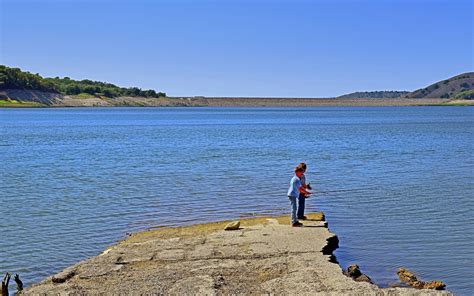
(16, 79)
(466, 95)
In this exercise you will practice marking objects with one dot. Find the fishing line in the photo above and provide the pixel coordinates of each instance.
(341, 190)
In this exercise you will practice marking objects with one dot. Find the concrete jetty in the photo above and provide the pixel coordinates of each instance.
(264, 256)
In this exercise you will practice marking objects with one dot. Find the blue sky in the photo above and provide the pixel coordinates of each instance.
(242, 48)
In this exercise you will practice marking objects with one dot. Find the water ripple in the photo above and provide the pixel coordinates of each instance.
(399, 180)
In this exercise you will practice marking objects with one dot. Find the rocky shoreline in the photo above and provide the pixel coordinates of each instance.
(263, 256)
(27, 98)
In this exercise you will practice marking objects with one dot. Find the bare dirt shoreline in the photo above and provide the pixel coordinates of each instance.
(264, 256)
(27, 98)
(316, 102)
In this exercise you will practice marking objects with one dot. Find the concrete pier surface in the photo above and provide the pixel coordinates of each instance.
(264, 256)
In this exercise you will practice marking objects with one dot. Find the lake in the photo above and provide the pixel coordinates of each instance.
(399, 180)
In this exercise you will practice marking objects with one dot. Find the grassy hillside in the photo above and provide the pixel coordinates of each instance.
(375, 94)
(15, 78)
(457, 87)
(18, 87)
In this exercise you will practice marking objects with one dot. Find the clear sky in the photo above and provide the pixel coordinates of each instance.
(242, 48)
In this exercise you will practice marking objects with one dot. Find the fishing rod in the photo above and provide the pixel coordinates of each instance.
(341, 190)
(345, 190)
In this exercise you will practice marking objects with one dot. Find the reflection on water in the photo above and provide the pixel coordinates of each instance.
(75, 180)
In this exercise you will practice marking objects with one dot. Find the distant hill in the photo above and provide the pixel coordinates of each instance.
(16, 79)
(457, 87)
(24, 89)
(375, 94)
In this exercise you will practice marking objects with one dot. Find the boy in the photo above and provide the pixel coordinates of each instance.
(302, 197)
(296, 188)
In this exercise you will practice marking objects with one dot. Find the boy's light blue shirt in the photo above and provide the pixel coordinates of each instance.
(295, 185)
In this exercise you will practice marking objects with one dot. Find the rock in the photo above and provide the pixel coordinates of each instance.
(409, 278)
(417, 284)
(406, 276)
(233, 226)
(19, 283)
(398, 285)
(5, 282)
(363, 278)
(353, 271)
(436, 285)
(63, 276)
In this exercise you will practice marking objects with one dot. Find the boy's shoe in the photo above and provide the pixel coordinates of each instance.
(297, 224)
(303, 218)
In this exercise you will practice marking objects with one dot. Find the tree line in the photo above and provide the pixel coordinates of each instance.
(15, 78)
(375, 94)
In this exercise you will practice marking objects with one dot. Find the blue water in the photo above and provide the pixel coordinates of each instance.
(73, 181)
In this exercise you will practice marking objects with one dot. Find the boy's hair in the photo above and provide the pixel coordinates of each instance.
(299, 169)
(302, 165)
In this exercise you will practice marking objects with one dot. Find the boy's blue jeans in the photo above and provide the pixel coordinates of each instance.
(301, 204)
(293, 201)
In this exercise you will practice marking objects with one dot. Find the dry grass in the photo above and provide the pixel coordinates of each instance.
(460, 103)
(9, 103)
